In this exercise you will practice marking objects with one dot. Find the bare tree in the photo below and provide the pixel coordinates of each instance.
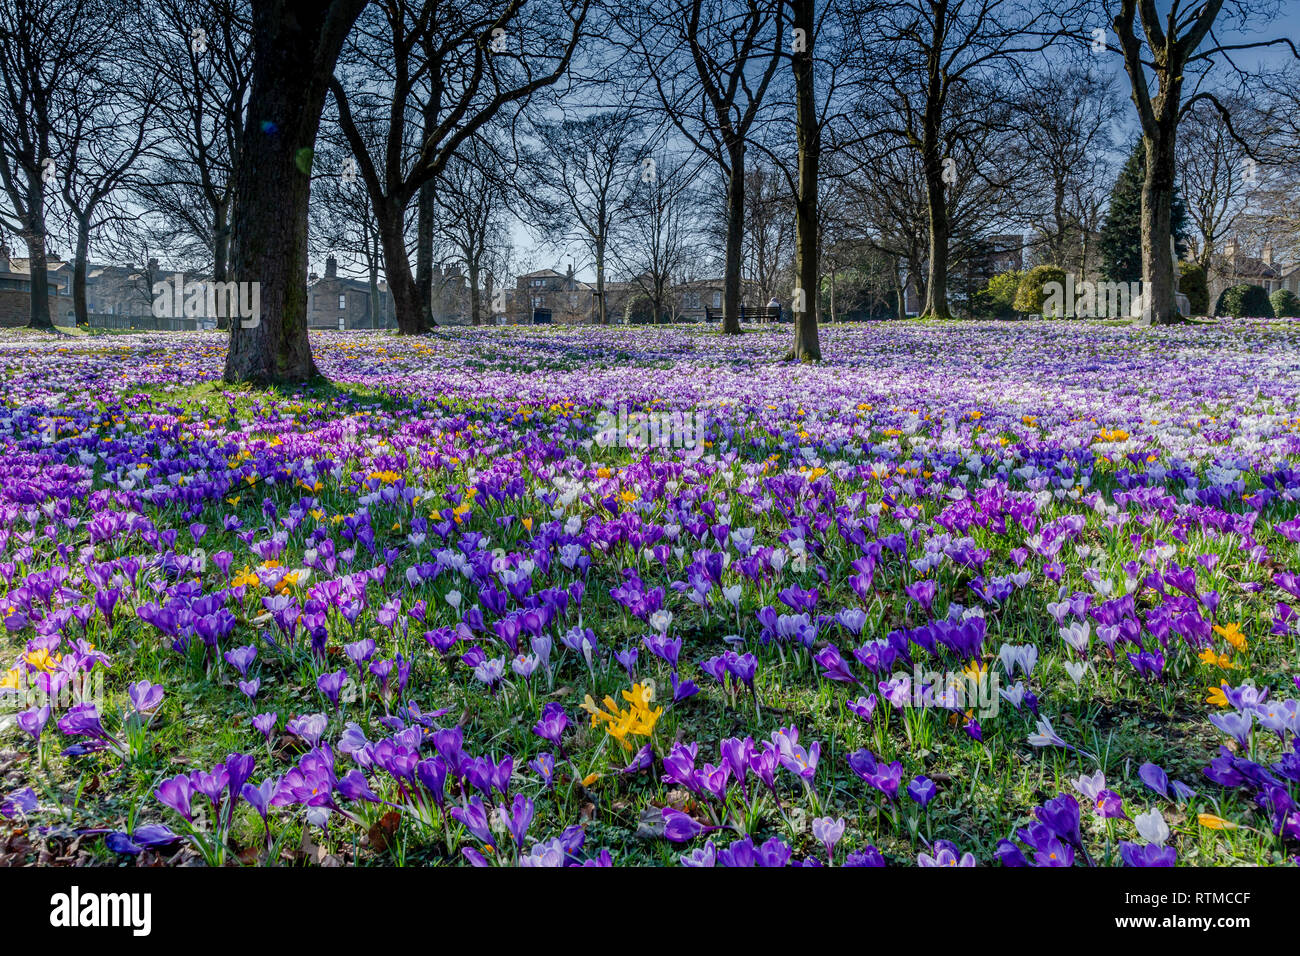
(344, 221)
(916, 55)
(443, 69)
(808, 131)
(585, 170)
(46, 48)
(658, 234)
(203, 65)
(1067, 116)
(884, 207)
(770, 230)
(470, 220)
(103, 127)
(1175, 48)
(710, 63)
(1215, 173)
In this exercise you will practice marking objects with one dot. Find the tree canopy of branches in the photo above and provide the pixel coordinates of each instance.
(432, 74)
(1174, 50)
(710, 64)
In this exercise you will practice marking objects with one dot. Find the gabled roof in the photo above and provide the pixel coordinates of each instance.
(1253, 267)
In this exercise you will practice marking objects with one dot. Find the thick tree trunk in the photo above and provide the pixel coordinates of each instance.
(735, 233)
(807, 345)
(936, 286)
(409, 311)
(295, 45)
(79, 271)
(1159, 307)
(33, 237)
(424, 251)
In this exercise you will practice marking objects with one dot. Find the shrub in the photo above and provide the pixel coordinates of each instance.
(997, 299)
(639, 310)
(1030, 295)
(1192, 284)
(1286, 304)
(1244, 300)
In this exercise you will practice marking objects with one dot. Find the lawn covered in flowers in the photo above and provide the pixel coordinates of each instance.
(963, 594)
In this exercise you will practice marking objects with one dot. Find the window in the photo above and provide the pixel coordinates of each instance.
(717, 300)
(343, 301)
(691, 300)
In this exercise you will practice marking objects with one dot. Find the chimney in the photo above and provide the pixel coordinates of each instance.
(4, 257)
(331, 268)
(153, 266)
(1267, 254)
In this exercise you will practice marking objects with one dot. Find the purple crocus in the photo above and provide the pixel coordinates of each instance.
(264, 724)
(33, 721)
(177, 793)
(518, 817)
(922, 789)
(145, 697)
(552, 724)
(1146, 854)
(828, 832)
(473, 817)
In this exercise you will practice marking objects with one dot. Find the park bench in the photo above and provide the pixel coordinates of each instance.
(750, 313)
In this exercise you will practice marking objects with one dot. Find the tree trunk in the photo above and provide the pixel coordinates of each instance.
(405, 292)
(807, 345)
(900, 290)
(475, 299)
(735, 233)
(34, 238)
(79, 271)
(424, 251)
(1159, 307)
(602, 316)
(376, 304)
(936, 286)
(295, 45)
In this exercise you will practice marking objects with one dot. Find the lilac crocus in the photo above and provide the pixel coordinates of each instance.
(33, 721)
(264, 724)
(145, 697)
(828, 832)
